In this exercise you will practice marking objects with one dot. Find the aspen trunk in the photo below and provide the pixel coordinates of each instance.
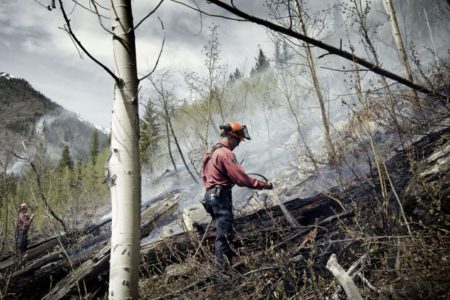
(124, 165)
(400, 47)
(320, 100)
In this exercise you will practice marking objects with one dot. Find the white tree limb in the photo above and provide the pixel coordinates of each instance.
(343, 278)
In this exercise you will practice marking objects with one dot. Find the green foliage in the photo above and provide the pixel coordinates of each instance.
(150, 135)
(94, 147)
(69, 191)
(8, 187)
(262, 63)
(235, 76)
(66, 159)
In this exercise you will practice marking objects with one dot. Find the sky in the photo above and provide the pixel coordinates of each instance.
(34, 46)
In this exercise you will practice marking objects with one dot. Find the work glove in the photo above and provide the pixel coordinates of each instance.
(268, 185)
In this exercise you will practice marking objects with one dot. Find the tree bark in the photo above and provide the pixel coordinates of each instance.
(124, 164)
(169, 148)
(312, 69)
(400, 47)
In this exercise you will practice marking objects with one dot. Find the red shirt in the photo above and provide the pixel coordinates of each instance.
(24, 221)
(224, 169)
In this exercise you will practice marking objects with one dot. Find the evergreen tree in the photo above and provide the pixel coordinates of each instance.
(236, 75)
(66, 159)
(262, 63)
(149, 134)
(94, 147)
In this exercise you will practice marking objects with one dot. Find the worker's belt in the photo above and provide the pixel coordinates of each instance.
(218, 190)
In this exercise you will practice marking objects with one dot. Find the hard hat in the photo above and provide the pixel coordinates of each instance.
(235, 129)
(23, 205)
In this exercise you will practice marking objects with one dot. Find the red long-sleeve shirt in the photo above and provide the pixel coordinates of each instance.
(24, 221)
(223, 169)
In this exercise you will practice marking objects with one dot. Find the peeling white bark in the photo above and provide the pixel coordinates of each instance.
(124, 165)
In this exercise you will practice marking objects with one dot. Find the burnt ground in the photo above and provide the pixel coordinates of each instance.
(391, 235)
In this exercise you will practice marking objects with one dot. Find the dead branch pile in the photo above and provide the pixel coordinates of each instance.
(369, 248)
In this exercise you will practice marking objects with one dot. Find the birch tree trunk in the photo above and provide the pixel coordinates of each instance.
(312, 69)
(400, 47)
(124, 164)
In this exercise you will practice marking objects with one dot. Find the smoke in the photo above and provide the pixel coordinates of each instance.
(281, 111)
(61, 128)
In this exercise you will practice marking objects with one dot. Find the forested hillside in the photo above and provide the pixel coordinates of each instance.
(27, 116)
(50, 159)
(21, 107)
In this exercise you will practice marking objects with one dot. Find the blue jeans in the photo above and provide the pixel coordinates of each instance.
(218, 203)
(21, 240)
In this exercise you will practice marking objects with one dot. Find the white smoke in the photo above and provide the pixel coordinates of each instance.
(281, 111)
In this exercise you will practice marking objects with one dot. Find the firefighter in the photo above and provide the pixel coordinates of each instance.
(23, 225)
(220, 171)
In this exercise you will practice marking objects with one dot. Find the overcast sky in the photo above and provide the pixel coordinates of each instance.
(33, 47)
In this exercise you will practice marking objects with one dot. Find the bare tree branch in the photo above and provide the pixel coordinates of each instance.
(43, 5)
(159, 55)
(72, 34)
(331, 49)
(94, 4)
(197, 9)
(148, 15)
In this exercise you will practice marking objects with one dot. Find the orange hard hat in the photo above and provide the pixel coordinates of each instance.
(235, 129)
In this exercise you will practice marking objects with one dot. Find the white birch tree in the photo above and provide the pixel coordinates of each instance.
(123, 174)
(399, 45)
(124, 164)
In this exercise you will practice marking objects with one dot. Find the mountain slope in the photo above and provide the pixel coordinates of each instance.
(21, 106)
(28, 118)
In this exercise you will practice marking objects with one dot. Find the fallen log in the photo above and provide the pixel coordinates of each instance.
(176, 248)
(98, 265)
